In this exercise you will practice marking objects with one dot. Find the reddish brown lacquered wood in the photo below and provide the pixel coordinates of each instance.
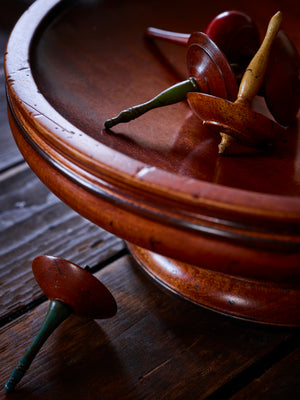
(159, 182)
(252, 300)
(247, 126)
(232, 31)
(65, 281)
(238, 119)
(236, 34)
(274, 260)
(210, 67)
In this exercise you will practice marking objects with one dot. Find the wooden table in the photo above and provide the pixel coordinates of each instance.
(157, 346)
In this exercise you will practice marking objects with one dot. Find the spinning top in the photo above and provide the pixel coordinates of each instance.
(237, 36)
(71, 289)
(233, 32)
(209, 72)
(237, 119)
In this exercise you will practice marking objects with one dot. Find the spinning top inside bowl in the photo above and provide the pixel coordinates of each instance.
(70, 289)
(209, 72)
(237, 120)
(233, 32)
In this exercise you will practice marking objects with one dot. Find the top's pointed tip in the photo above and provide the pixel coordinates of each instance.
(277, 19)
(108, 124)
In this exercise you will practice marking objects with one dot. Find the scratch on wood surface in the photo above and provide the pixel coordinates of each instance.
(155, 369)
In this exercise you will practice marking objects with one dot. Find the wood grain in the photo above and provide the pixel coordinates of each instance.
(57, 104)
(32, 222)
(277, 383)
(9, 153)
(157, 346)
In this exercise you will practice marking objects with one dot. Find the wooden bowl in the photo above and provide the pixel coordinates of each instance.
(231, 223)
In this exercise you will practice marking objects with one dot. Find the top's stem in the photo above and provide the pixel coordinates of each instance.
(254, 75)
(255, 72)
(173, 37)
(57, 312)
(172, 95)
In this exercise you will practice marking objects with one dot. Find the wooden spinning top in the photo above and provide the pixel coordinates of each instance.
(237, 36)
(70, 289)
(208, 68)
(238, 120)
(233, 32)
(209, 72)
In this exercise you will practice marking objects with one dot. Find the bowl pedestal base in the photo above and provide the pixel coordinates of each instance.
(252, 300)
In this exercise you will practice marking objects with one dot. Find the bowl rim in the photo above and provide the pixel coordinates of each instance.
(95, 161)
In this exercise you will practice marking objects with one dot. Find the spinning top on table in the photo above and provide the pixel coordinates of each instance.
(70, 289)
(238, 120)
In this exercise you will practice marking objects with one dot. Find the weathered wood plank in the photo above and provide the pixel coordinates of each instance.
(279, 382)
(156, 347)
(11, 10)
(9, 153)
(32, 222)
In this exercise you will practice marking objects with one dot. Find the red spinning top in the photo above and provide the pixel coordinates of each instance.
(65, 281)
(233, 32)
(71, 289)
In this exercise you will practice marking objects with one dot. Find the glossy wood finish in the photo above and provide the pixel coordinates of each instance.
(237, 120)
(210, 68)
(252, 300)
(65, 281)
(157, 344)
(209, 72)
(232, 31)
(237, 36)
(158, 182)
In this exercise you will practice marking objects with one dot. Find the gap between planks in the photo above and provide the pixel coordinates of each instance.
(10, 171)
(257, 369)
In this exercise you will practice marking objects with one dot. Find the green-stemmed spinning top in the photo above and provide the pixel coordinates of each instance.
(231, 33)
(70, 289)
(209, 72)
